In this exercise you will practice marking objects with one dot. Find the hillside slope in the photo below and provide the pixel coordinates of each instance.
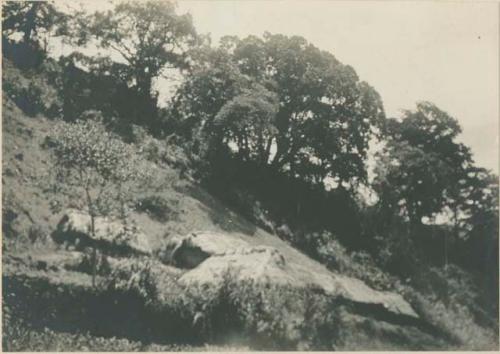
(34, 264)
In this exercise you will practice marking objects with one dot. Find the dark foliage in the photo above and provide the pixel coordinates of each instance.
(158, 207)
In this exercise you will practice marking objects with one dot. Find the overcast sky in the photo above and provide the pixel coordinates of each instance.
(443, 52)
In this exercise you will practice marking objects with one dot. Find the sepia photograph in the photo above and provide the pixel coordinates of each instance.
(230, 175)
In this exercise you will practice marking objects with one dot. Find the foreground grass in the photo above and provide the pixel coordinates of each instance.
(18, 337)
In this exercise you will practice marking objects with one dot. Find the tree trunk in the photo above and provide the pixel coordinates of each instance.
(94, 264)
(30, 24)
(147, 111)
(445, 252)
(267, 153)
(92, 232)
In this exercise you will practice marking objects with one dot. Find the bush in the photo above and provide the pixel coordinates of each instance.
(29, 99)
(154, 150)
(324, 247)
(19, 337)
(159, 207)
(30, 91)
(86, 265)
(38, 234)
(454, 321)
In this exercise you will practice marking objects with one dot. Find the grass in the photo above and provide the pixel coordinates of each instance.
(18, 337)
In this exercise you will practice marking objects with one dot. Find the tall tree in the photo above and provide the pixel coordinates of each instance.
(325, 116)
(149, 37)
(422, 164)
(479, 218)
(213, 81)
(33, 19)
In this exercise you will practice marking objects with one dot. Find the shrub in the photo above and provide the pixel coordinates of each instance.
(359, 264)
(86, 265)
(161, 152)
(287, 318)
(159, 207)
(33, 94)
(454, 321)
(29, 99)
(18, 337)
(153, 150)
(38, 234)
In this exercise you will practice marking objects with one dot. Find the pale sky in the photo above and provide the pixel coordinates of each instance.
(443, 52)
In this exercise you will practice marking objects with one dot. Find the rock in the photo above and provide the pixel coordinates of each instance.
(357, 291)
(189, 251)
(260, 264)
(111, 235)
(211, 255)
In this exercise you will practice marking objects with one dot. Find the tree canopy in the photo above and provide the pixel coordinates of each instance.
(421, 165)
(33, 19)
(322, 118)
(149, 37)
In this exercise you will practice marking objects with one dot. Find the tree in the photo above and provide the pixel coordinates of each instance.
(410, 179)
(213, 81)
(26, 29)
(149, 37)
(90, 159)
(247, 120)
(421, 165)
(479, 218)
(325, 116)
(101, 86)
(34, 19)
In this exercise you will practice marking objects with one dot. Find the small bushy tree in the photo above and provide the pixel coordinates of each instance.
(99, 165)
(247, 120)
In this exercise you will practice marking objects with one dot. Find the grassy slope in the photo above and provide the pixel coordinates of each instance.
(26, 170)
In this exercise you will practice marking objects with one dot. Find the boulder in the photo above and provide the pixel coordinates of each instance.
(211, 255)
(357, 291)
(260, 264)
(190, 250)
(110, 235)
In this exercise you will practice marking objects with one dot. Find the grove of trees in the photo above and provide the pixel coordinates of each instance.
(284, 104)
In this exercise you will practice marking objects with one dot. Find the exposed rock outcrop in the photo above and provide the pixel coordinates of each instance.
(110, 235)
(190, 250)
(212, 255)
(255, 263)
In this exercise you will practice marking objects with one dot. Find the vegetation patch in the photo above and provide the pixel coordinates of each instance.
(159, 207)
